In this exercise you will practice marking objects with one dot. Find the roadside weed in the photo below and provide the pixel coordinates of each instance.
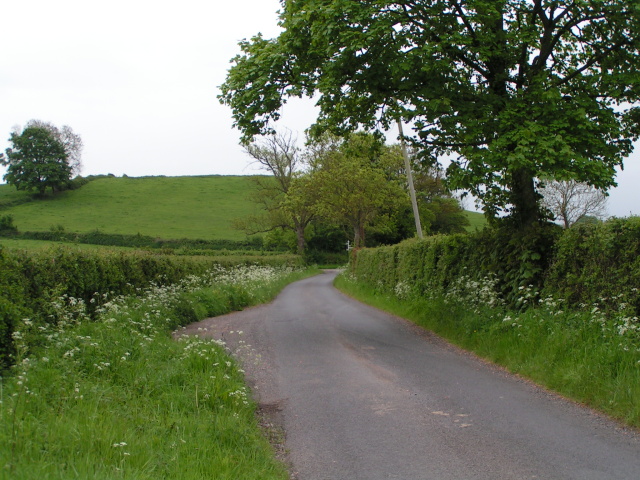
(119, 398)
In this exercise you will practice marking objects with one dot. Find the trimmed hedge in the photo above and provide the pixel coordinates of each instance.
(516, 259)
(585, 265)
(31, 280)
(599, 264)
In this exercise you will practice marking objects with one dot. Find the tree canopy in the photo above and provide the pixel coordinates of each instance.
(356, 182)
(71, 141)
(512, 90)
(36, 161)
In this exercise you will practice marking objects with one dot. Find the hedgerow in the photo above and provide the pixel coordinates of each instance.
(598, 264)
(97, 237)
(514, 258)
(585, 265)
(32, 281)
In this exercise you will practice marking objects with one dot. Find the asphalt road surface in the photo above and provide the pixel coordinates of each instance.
(364, 395)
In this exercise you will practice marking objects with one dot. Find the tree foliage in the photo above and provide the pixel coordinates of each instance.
(36, 161)
(354, 184)
(514, 90)
(71, 141)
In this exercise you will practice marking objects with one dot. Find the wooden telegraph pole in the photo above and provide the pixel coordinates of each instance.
(412, 191)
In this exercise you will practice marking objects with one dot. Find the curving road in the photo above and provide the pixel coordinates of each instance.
(365, 395)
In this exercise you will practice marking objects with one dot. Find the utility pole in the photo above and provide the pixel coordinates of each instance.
(412, 191)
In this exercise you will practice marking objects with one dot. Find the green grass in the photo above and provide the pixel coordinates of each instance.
(580, 355)
(119, 398)
(477, 221)
(9, 196)
(166, 207)
(21, 244)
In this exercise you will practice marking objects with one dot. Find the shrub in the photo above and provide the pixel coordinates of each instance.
(586, 265)
(31, 282)
(598, 263)
(7, 226)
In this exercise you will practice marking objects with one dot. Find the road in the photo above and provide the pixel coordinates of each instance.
(365, 395)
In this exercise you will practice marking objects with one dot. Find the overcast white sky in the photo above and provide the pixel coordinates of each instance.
(137, 79)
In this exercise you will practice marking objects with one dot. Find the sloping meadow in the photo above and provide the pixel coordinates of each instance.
(99, 389)
(561, 307)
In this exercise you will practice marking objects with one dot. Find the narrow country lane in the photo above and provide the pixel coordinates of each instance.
(364, 395)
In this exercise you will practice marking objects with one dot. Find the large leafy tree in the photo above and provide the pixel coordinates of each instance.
(71, 141)
(355, 183)
(513, 90)
(36, 161)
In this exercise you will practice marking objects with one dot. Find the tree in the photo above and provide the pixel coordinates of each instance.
(570, 201)
(282, 207)
(72, 143)
(36, 161)
(352, 184)
(515, 90)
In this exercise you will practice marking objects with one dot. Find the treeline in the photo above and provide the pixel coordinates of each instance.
(586, 266)
(351, 188)
(31, 281)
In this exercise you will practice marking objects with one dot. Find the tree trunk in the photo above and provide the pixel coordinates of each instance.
(358, 236)
(299, 229)
(524, 198)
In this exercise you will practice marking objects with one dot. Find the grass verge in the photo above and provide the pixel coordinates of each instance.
(118, 398)
(585, 356)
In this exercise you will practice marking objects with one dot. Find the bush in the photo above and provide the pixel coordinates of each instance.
(31, 282)
(598, 263)
(97, 237)
(586, 265)
(7, 226)
(515, 258)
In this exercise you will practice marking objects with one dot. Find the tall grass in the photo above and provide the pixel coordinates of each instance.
(585, 355)
(118, 398)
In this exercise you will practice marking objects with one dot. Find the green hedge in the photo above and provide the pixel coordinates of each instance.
(31, 280)
(515, 259)
(599, 264)
(138, 241)
(586, 265)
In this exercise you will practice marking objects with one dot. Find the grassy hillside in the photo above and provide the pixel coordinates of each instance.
(166, 207)
(477, 221)
(202, 207)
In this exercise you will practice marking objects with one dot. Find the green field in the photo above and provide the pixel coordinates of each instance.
(200, 207)
(477, 221)
(165, 207)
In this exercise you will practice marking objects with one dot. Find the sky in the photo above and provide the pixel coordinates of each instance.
(138, 81)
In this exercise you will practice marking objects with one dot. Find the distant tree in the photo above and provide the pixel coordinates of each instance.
(282, 208)
(439, 207)
(36, 161)
(570, 201)
(279, 155)
(448, 215)
(71, 141)
(353, 186)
